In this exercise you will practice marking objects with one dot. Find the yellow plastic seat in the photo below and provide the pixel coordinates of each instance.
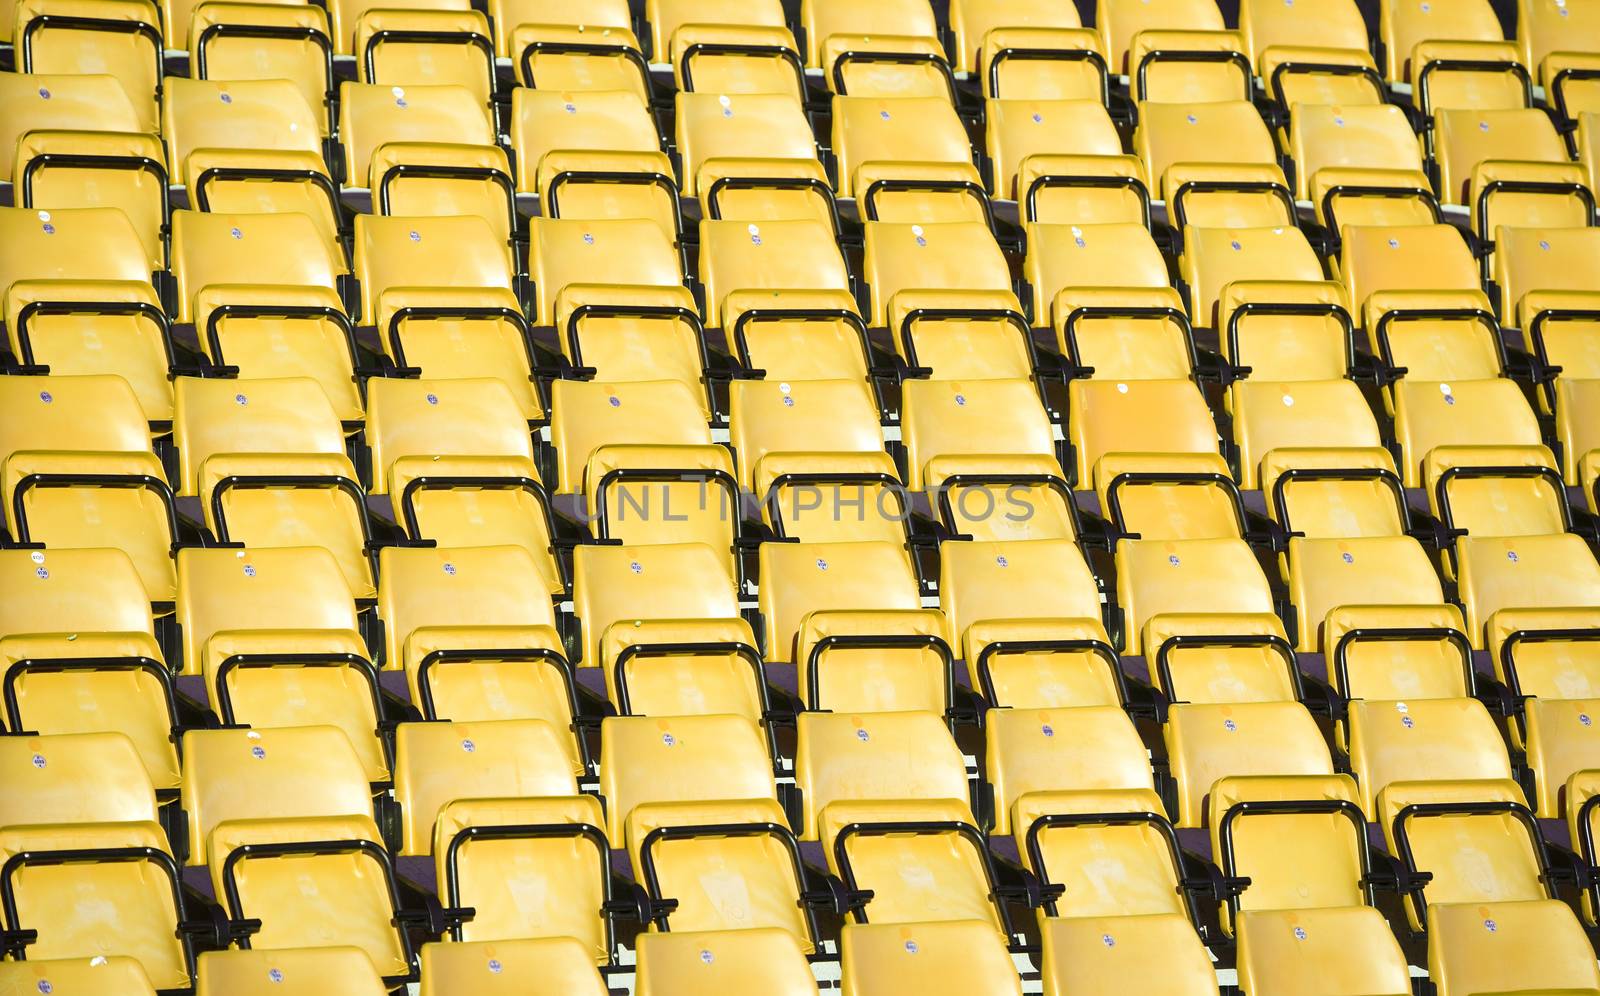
(1431, 415)
(73, 592)
(242, 41)
(956, 956)
(550, 965)
(1224, 132)
(767, 960)
(75, 975)
(92, 36)
(797, 580)
(60, 101)
(739, 138)
(374, 114)
(1101, 420)
(308, 970)
(1532, 945)
(1042, 579)
(422, 47)
(619, 584)
(1421, 740)
(1208, 742)
(1351, 949)
(1034, 771)
(1216, 257)
(1099, 956)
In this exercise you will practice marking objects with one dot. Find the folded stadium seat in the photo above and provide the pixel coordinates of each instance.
(529, 868)
(1558, 328)
(1347, 949)
(442, 292)
(61, 102)
(372, 115)
(685, 667)
(743, 136)
(905, 260)
(1229, 195)
(1293, 75)
(1251, 820)
(985, 454)
(267, 461)
(1506, 946)
(877, 139)
(67, 169)
(420, 47)
(1209, 742)
(509, 759)
(1397, 652)
(97, 682)
(1434, 414)
(302, 856)
(1471, 140)
(1252, 663)
(1169, 496)
(1106, 417)
(982, 586)
(1496, 491)
(801, 579)
(1044, 663)
(276, 637)
(621, 585)
(894, 818)
(736, 260)
(778, 428)
(828, 497)
(224, 137)
(1434, 336)
(94, 327)
(243, 41)
(854, 27)
(798, 335)
(77, 472)
(1415, 747)
(949, 956)
(1528, 195)
(420, 427)
(267, 321)
(1451, 831)
(1401, 27)
(1403, 257)
(759, 960)
(1285, 331)
(1043, 784)
(962, 335)
(1043, 63)
(80, 244)
(1102, 956)
(1229, 131)
(1168, 64)
(1498, 573)
(1277, 33)
(650, 761)
(637, 450)
(565, 255)
(307, 970)
(127, 900)
(76, 975)
(473, 649)
(875, 661)
(423, 178)
(592, 154)
(1277, 421)
(546, 966)
(1213, 258)
(887, 65)
(1120, 22)
(1017, 129)
(69, 37)
(1541, 260)
(1335, 493)
(725, 57)
(86, 779)
(1544, 654)
(103, 595)
(723, 866)
(1056, 188)
(1065, 257)
(1358, 145)
(1125, 333)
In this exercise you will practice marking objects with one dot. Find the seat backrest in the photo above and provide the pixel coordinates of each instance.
(968, 955)
(1225, 132)
(1376, 136)
(394, 252)
(73, 778)
(91, 413)
(738, 126)
(439, 763)
(800, 578)
(1402, 25)
(590, 415)
(1122, 417)
(371, 114)
(257, 973)
(441, 418)
(761, 959)
(773, 255)
(1409, 257)
(1422, 740)
(1014, 579)
(267, 588)
(875, 758)
(771, 418)
(895, 129)
(969, 418)
(1209, 742)
(236, 114)
(68, 591)
(261, 774)
(1310, 415)
(821, 19)
(213, 417)
(69, 244)
(680, 759)
(463, 586)
(668, 581)
(57, 100)
(1060, 750)
(1155, 577)
(278, 249)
